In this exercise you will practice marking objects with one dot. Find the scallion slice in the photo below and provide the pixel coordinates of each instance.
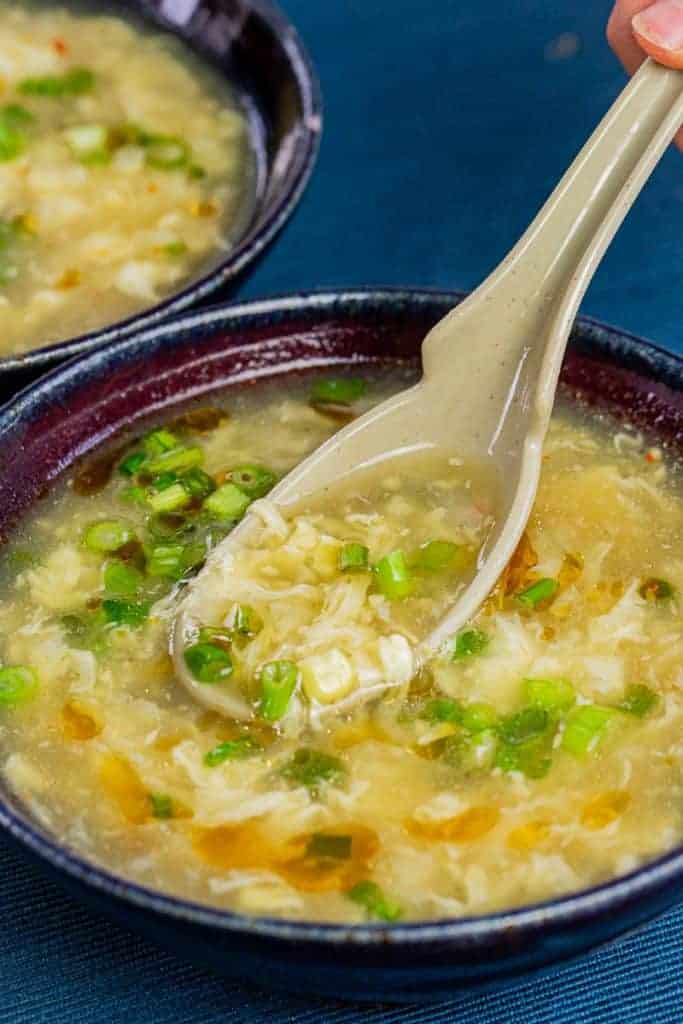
(369, 896)
(124, 613)
(74, 82)
(162, 805)
(175, 460)
(208, 663)
(132, 463)
(539, 592)
(585, 728)
(656, 590)
(393, 576)
(18, 685)
(107, 536)
(170, 499)
(353, 558)
(253, 480)
(553, 695)
(278, 682)
(232, 750)
(339, 390)
(159, 441)
(311, 768)
(228, 502)
(468, 643)
(121, 580)
(638, 700)
(435, 555)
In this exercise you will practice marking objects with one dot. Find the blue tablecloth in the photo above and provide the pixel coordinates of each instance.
(447, 124)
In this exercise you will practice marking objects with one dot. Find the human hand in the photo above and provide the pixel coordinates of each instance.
(640, 28)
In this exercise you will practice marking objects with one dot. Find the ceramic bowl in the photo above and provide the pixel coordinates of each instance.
(77, 407)
(257, 49)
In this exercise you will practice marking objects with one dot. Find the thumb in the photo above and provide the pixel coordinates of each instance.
(659, 30)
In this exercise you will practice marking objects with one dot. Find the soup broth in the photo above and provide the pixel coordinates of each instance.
(125, 168)
(538, 754)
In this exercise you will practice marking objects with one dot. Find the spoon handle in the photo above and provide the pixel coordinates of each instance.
(541, 282)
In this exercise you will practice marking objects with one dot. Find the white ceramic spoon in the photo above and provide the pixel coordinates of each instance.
(490, 367)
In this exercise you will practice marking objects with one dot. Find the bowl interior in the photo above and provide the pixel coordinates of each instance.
(78, 407)
(251, 43)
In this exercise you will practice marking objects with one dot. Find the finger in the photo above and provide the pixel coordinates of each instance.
(625, 37)
(620, 33)
(659, 31)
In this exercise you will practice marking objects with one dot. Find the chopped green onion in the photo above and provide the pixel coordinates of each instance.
(472, 754)
(195, 171)
(393, 577)
(16, 116)
(18, 685)
(227, 502)
(638, 700)
(122, 580)
(353, 558)
(215, 634)
(246, 622)
(132, 463)
(162, 805)
(370, 896)
(537, 593)
(443, 709)
(136, 495)
(208, 663)
(11, 138)
(253, 480)
(469, 643)
(329, 846)
(173, 561)
(159, 441)
(479, 716)
(524, 725)
(340, 390)
(175, 460)
(164, 480)
(175, 249)
(585, 728)
(75, 82)
(108, 536)
(278, 680)
(166, 152)
(86, 632)
(124, 613)
(232, 750)
(533, 757)
(553, 695)
(170, 499)
(89, 143)
(435, 555)
(311, 768)
(198, 483)
(654, 589)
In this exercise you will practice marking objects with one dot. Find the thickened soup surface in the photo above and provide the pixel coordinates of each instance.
(313, 769)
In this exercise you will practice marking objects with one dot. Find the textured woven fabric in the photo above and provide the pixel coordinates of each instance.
(447, 124)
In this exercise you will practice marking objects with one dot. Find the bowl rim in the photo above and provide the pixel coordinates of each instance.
(466, 932)
(255, 236)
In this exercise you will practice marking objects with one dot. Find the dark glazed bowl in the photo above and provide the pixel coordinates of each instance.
(78, 406)
(257, 49)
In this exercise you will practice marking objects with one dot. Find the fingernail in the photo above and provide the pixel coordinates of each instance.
(661, 25)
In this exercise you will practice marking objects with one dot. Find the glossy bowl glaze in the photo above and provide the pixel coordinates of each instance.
(257, 49)
(79, 406)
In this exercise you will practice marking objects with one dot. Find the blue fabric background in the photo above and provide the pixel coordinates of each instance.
(447, 123)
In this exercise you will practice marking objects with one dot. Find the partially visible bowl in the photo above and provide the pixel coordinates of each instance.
(253, 44)
(76, 407)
